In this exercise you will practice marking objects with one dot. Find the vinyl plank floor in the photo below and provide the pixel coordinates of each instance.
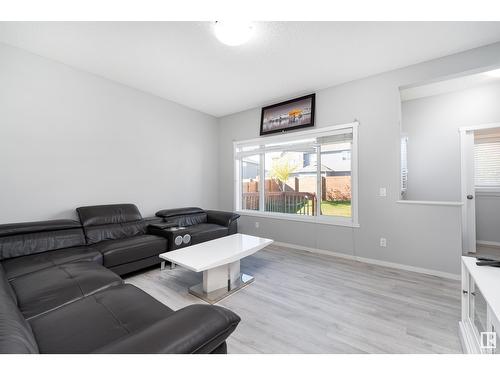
(302, 302)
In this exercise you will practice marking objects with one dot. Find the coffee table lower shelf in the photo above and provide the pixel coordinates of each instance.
(221, 293)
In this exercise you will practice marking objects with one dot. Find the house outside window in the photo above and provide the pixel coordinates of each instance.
(307, 176)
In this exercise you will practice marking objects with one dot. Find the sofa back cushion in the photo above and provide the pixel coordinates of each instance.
(186, 216)
(21, 239)
(15, 332)
(110, 222)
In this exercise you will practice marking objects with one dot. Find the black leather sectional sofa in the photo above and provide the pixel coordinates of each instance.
(60, 291)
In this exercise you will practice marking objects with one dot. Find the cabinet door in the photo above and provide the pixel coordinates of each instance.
(479, 315)
(468, 334)
(477, 318)
(478, 309)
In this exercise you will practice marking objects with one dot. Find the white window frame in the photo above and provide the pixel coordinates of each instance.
(403, 170)
(287, 137)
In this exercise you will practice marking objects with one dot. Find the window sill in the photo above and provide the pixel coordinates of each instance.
(335, 221)
(487, 191)
(431, 203)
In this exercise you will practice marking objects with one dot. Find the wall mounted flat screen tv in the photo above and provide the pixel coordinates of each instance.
(290, 115)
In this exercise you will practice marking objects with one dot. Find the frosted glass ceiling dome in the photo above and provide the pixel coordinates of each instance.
(233, 33)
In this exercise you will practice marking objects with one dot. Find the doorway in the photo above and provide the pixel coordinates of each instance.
(480, 190)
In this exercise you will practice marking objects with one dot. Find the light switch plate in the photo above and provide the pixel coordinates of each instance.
(382, 192)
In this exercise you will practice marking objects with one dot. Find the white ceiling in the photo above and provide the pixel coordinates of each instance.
(183, 62)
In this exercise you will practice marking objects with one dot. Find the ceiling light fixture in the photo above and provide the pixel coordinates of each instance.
(493, 73)
(233, 33)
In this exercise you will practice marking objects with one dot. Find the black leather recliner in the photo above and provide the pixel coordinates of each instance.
(118, 232)
(202, 225)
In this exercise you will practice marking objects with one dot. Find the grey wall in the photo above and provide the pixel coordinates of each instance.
(417, 235)
(69, 138)
(488, 217)
(432, 125)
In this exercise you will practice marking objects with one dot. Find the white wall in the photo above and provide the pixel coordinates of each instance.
(69, 138)
(488, 217)
(432, 125)
(418, 235)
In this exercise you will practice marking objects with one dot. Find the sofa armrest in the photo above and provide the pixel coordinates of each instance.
(221, 217)
(194, 329)
(162, 225)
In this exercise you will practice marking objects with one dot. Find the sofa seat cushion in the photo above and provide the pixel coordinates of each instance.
(126, 250)
(50, 288)
(19, 266)
(206, 232)
(94, 321)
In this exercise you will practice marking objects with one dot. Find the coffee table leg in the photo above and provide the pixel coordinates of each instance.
(220, 282)
(234, 274)
(164, 265)
(215, 278)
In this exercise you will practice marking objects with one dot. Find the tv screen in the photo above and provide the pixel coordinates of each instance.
(290, 115)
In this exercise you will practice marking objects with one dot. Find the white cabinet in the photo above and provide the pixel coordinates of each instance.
(479, 327)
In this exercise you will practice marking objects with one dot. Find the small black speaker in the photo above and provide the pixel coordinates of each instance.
(178, 240)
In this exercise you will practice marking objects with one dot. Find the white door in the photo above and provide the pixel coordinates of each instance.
(467, 191)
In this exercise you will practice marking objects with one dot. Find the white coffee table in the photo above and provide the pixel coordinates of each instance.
(219, 260)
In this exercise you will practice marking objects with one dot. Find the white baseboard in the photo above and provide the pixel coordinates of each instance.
(377, 262)
(488, 243)
(426, 271)
(314, 250)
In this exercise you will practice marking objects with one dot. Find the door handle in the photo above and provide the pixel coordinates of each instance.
(470, 196)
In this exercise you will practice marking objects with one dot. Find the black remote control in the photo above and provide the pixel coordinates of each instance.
(489, 262)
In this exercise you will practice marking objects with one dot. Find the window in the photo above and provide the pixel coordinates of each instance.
(404, 166)
(346, 155)
(289, 186)
(487, 164)
(308, 176)
(336, 173)
(250, 172)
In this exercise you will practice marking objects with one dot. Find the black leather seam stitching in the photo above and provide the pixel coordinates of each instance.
(52, 309)
(112, 314)
(75, 282)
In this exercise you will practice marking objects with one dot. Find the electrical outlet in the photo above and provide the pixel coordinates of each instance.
(382, 192)
(257, 224)
(383, 242)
